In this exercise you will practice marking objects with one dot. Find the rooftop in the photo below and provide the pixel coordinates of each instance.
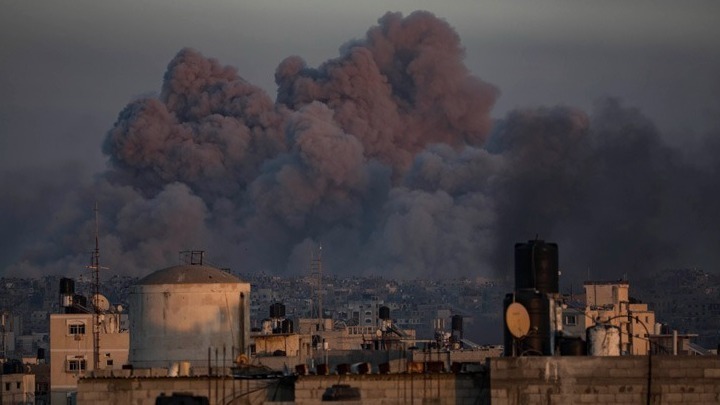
(615, 282)
(190, 274)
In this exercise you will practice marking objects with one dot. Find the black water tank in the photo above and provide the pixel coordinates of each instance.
(67, 286)
(538, 341)
(536, 266)
(457, 323)
(572, 346)
(507, 336)
(384, 313)
(277, 310)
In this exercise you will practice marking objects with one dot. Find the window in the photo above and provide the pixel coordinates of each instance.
(17, 385)
(76, 328)
(75, 365)
(7, 386)
(570, 320)
(109, 362)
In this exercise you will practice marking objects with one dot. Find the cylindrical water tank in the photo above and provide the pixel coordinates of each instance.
(184, 369)
(572, 346)
(603, 340)
(67, 286)
(360, 368)
(457, 323)
(384, 313)
(277, 310)
(507, 336)
(538, 340)
(181, 312)
(67, 290)
(536, 266)
(174, 369)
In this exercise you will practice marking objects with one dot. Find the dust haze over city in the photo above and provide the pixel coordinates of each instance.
(415, 139)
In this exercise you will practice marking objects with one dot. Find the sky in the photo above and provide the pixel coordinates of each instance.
(552, 70)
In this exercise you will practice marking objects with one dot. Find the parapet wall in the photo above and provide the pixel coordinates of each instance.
(146, 390)
(605, 380)
(398, 389)
(506, 381)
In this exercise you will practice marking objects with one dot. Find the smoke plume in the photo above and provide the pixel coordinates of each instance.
(387, 156)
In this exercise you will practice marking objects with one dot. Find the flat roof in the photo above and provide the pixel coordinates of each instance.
(622, 282)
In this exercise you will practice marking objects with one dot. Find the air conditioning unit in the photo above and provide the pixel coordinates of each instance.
(78, 337)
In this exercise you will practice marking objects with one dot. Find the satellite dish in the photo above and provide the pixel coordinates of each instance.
(241, 359)
(517, 320)
(100, 302)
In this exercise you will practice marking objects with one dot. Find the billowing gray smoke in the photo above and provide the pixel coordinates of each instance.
(386, 156)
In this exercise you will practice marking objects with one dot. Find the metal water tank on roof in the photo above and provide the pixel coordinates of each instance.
(178, 313)
(536, 266)
(603, 340)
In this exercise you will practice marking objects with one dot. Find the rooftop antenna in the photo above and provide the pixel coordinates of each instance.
(192, 257)
(316, 273)
(95, 269)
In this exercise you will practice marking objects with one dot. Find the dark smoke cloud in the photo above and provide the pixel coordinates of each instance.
(386, 156)
(606, 187)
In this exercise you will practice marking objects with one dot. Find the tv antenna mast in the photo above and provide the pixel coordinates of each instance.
(95, 269)
(316, 274)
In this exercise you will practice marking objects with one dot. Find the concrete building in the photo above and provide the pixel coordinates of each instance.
(642, 327)
(574, 321)
(181, 313)
(72, 351)
(326, 342)
(677, 344)
(609, 302)
(17, 388)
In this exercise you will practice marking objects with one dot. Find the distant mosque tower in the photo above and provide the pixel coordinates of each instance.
(180, 312)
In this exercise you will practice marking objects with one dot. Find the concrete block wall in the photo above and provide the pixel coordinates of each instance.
(392, 389)
(508, 381)
(145, 390)
(604, 380)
